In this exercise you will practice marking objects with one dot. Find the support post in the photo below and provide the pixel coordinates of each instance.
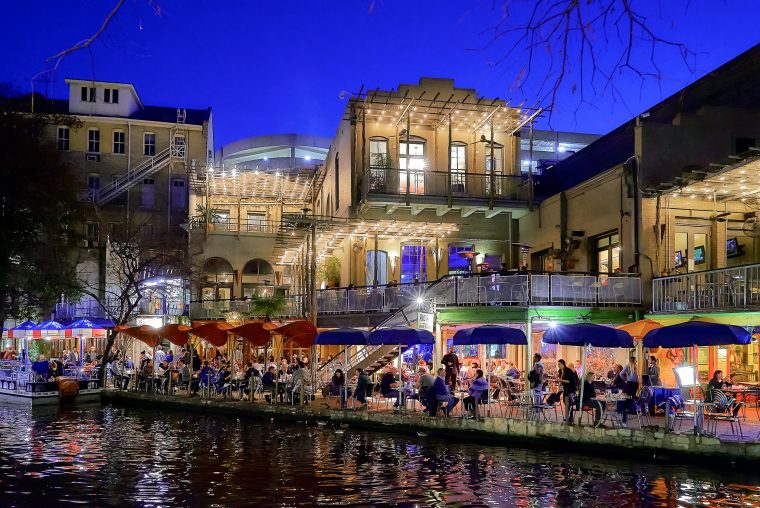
(530, 168)
(492, 189)
(448, 175)
(408, 158)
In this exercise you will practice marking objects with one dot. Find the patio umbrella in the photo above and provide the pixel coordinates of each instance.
(84, 327)
(143, 333)
(400, 336)
(490, 334)
(301, 332)
(47, 328)
(175, 333)
(21, 330)
(343, 337)
(215, 332)
(257, 333)
(694, 333)
(639, 328)
(587, 334)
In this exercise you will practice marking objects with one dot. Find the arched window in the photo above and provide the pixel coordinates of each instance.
(217, 270)
(459, 260)
(411, 163)
(257, 267)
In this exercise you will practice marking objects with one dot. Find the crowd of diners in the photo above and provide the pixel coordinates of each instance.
(67, 363)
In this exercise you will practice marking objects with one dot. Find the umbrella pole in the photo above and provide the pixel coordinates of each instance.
(401, 401)
(488, 384)
(582, 382)
(696, 385)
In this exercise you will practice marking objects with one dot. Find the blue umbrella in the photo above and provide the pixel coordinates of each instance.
(490, 334)
(342, 337)
(400, 336)
(696, 333)
(587, 334)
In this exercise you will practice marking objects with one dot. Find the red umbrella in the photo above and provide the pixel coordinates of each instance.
(143, 333)
(215, 332)
(257, 333)
(175, 333)
(301, 332)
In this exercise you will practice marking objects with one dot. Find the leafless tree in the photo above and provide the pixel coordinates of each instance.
(580, 44)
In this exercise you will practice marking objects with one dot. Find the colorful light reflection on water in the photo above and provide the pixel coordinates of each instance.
(110, 455)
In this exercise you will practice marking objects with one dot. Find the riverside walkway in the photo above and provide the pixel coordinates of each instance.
(652, 442)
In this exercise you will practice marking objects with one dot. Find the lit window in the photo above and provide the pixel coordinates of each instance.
(607, 252)
(149, 143)
(63, 138)
(118, 142)
(93, 140)
(458, 167)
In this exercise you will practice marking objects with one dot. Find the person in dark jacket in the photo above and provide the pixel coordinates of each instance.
(362, 384)
(440, 393)
(589, 398)
(568, 380)
(450, 362)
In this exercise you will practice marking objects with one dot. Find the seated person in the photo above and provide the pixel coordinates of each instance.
(716, 383)
(55, 370)
(425, 382)
(389, 387)
(440, 394)
(362, 383)
(185, 376)
(589, 398)
(477, 388)
(268, 382)
(338, 386)
(512, 371)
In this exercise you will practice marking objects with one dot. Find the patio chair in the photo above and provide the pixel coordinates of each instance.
(731, 415)
(678, 405)
(552, 402)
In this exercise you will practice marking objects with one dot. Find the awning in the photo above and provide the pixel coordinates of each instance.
(583, 334)
(490, 334)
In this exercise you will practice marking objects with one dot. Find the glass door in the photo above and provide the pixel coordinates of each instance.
(411, 163)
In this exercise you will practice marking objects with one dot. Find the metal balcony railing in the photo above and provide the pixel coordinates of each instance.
(89, 308)
(726, 288)
(235, 226)
(220, 309)
(519, 289)
(457, 184)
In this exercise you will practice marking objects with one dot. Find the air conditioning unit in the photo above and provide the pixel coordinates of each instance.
(92, 157)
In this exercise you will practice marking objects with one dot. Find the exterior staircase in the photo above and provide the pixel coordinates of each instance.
(374, 358)
(133, 176)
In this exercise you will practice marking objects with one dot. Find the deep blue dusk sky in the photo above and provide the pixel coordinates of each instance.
(279, 66)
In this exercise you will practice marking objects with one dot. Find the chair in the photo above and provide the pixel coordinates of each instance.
(731, 415)
(678, 405)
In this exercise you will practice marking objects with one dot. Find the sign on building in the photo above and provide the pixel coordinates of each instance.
(426, 321)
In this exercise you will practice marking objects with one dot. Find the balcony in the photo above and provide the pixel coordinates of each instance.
(736, 288)
(570, 289)
(438, 187)
(221, 309)
(89, 308)
(229, 225)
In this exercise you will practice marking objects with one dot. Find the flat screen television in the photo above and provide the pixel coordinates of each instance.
(678, 261)
(699, 254)
(732, 247)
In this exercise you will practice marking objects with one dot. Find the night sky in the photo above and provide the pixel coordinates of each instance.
(279, 66)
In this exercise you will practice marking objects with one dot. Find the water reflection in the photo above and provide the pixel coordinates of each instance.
(119, 456)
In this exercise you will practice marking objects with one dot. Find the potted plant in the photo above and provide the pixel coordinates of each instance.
(329, 271)
(207, 216)
(268, 307)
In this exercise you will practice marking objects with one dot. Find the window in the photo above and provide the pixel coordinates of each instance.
(118, 142)
(93, 234)
(607, 253)
(379, 163)
(337, 183)
(459, 262)
(256, 221)
(411, 163)
(148, 195)
(224, 218)
(93, 140)
(149, 143)
(382, 267)
(88, 94)
(111, 95)
(63, 138)
(498, 169)
(413, 263)
(179, 196)
(93, 187)
(178, 145)
(458, 167)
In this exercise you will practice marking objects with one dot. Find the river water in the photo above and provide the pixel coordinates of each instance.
(101, 456)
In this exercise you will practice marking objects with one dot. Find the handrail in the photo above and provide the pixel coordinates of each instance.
(712, 270)
(127, 180)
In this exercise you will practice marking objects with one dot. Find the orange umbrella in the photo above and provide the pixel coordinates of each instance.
(215, 332)
(144, 333)
(301, 332)
(639, 328)
(257, 333)
(175, 333)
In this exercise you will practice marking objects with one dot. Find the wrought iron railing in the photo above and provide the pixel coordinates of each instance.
(726, 288)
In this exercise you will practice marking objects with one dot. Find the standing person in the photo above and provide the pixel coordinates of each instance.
(568, 380)
(362, 383)
(653, 371)
(196, 361)
(536, 378)
(451, 365)
(631, 377)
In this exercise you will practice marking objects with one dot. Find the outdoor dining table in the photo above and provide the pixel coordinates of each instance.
(744, 390)
(614, 407)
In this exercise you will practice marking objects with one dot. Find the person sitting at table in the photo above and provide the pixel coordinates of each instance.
(589, 398)
(425, 382)
(568, 380)
(298, 379)
(337, 387)
(268, 382)
(362, 384)
(439, 394)
(477, 388)
(512, 371)
(224, 379)
(55, 369)
(389, 387)
(716, 383)
(163, 371)
(653, 370)
(731, 380)
(146, 374)
(500, 369)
